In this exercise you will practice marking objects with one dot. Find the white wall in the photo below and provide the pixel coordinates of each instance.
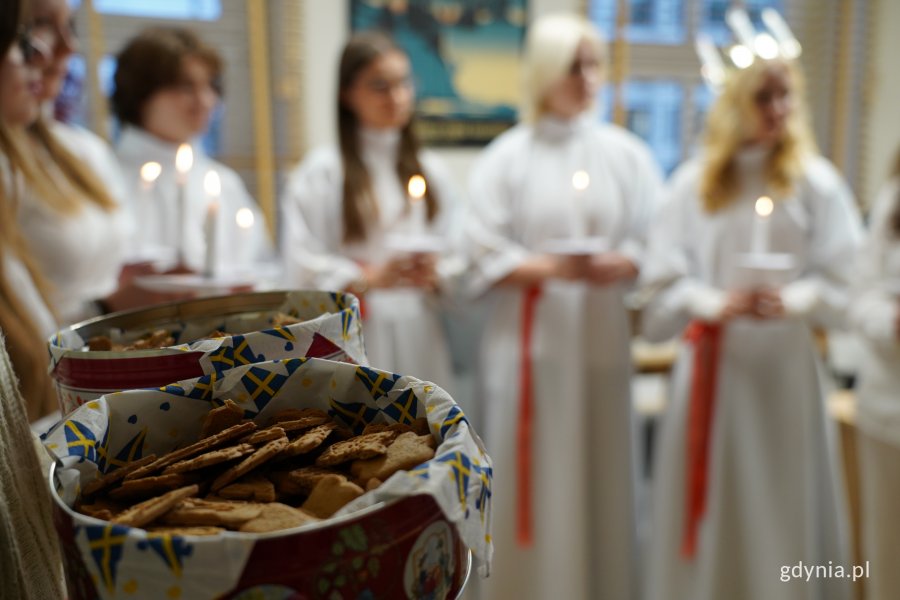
(883, 138)
(325, 26)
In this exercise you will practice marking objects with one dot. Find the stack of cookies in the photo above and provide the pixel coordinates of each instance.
(302, 467)
(163, 338)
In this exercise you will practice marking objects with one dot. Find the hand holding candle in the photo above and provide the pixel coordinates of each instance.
(213, 188)
(759, 235)
(184, 160)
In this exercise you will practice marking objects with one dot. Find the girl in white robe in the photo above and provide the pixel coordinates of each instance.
(72, 191)
(364, 183)
(167, 86)
(747, 474)
(875, 313)
(555, 359)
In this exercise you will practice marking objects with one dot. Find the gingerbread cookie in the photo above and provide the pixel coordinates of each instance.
(407, 451)
(211, 458)
(197, 512)
(112, 477)
(267, 452)
(149, 510)
(276, 516)
(209, 443)
(363, 446)
(330, 494)
(221, 418)
(253, 488)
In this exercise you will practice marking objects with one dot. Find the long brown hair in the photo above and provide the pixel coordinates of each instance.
(24, 341)
(726, 132)
(895, 217)
(359, 202)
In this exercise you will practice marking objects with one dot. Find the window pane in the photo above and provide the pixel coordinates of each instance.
(649, 22)
(653, 112)
(712, 17)
(192, 10)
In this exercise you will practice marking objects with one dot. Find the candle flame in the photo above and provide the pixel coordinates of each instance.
(244, 218)
(765, 46)
(741, 56)
(212, 185)
(150, 172)
(764, 206)
(416, 187)
(581, 180)
(184, 158)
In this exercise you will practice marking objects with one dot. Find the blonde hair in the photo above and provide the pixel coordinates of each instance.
(25, 342)
(733, 119)
(550, 49)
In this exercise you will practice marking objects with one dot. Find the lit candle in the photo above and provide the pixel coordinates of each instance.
(213, 188)
(759, 236)
(416, 189)
(184, 160)
(581, 181)
(149, 173)
(244, 219)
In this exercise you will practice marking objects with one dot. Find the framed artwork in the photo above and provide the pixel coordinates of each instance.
(465, 59)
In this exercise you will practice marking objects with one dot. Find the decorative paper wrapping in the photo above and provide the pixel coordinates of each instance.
(128, 425)
(330, 328)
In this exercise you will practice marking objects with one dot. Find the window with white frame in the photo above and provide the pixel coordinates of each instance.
(665, 103)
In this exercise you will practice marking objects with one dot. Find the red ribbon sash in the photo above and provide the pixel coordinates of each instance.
(706, 339)
(524, 426)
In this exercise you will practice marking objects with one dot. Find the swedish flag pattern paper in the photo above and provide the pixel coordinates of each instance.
(103, 433)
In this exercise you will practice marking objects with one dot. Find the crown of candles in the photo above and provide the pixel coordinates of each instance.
(776, 40)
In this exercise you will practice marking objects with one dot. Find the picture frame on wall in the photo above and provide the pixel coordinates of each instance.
(465, 57)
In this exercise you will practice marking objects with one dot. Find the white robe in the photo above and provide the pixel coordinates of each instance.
(21, 284)
(155, 211)
(80, 254)
(774, 496)
(401, 326)
(522, 196)
(874, 313)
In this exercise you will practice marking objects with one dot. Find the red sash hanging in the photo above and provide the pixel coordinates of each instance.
(524, 426)
(706, 339)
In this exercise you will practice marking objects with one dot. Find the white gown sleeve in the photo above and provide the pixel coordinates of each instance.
(874, 309)
(670, 275)
(492, 252)
(821, 294)
(313, 227)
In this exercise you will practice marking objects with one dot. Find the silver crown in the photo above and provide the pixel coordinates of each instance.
(776, 40)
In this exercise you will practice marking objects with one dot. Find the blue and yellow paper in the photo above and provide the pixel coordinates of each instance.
(128, 425)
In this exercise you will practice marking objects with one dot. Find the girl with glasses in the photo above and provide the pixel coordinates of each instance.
(343, 206)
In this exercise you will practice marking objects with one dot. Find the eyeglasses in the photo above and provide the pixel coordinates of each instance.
(31, 47)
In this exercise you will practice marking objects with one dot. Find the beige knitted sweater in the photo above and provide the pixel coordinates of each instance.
(30, 564)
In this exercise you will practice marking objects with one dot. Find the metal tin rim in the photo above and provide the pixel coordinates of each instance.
(179, 310)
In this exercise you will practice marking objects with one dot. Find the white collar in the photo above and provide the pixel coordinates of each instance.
(379, 141)
(554, 127)
(139, 144)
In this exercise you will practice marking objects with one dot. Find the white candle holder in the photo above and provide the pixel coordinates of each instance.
(759, 269)
(415, 243)
(577, 246)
